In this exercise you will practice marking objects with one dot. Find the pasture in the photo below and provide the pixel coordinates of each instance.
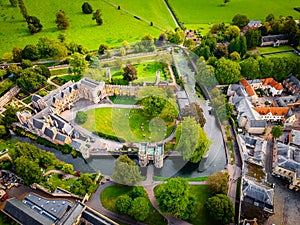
(213, 11)
(117, 27)
(129, 124)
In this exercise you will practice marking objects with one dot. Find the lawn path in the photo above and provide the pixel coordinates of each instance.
(171, 13)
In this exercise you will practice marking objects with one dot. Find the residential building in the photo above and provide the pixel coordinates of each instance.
(287, 164)
(272, 86)
(249, 89)
(257, 200)
(273, 114)
(292, 84)
(253, 148)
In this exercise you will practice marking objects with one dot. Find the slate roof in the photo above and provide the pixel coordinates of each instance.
(292, 79)
(258, 123)
(61, 137)
(39, 124)
(91, 83)
(35, 98)
(24, 214)
(55, 207)
(49, 132)
(72, 214)
(262, 195)
(288, 157)
(96, 218)
(295, 137)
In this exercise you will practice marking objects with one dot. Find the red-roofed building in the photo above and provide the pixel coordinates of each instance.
(274, 87)
(272, 113)
(249, 89)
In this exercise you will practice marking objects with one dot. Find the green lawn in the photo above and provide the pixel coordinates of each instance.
(282, 48)
(281, 55)
(146, 72)
(110, 194)
(201, 216)
(206, 12)
(127, 124)
(64, 79)
(117, 27)
(58, 71)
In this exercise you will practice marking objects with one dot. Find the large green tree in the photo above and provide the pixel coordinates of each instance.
(250, 68)
(31, 52)
(29, 80)
(123, 204)
(191, 140)
(174, 197)
(220, 208)
(17, 54)
(87, 8)
(78, 64)
(129, 73)
(126, 171)
(61, 20)
(98, 17)
(81, 117)
(218, 183)
(139, 208)
(253, 37)
(34, 24)
(227, 71)
(240, 20)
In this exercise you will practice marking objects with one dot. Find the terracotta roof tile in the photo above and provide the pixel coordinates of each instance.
(278, 111)
(273, 83)
(247, 87)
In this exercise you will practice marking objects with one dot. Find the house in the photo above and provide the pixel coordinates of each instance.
(257, 200)
(273, 114)
(249, 89)
(272, 85)
(287, 164)
(294, 137)
(274, 40)
(254, 24)
(254, 149)
(292, 84)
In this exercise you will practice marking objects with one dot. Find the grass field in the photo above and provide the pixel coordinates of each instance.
(110, 194)
(127, 124)
(282, 48)
(117, 27)
(209, 12)
(281, 55)
(146, 72)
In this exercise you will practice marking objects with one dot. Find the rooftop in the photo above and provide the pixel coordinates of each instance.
(277, 111)
(248, 88)
(273, 83)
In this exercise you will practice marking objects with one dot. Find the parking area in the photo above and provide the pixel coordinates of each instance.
(9, 180)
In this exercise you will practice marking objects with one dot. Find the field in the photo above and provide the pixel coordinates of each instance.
(117, 27)
(210, 12)
(127, 124)
(281, 55)
(268, 50)
(109, 196)
(146, 72)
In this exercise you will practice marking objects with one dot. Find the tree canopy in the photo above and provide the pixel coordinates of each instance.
(139, 209)
(78, 64)
(81, 117)
(191, 140)
(240, 20)
(123, 204)
(227, 71)
(129, 73)
(87, 8)
(61, 20)
(218, 183)
(126, 171)
(173, 197)
(220, 208)
(98, 17)
(277, 131)
(34, 24)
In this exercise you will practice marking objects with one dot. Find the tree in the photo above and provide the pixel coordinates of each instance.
(220, 208)
(126, 171)
(218, 183)
(240, 20)
(138, 191)
(129, 73)
(17, 54)
(31, 52)
(28, 170)
(30, 81)
(250, 68)
(123, 204)
(175, 37)
(81, 117)
(67, 168)
(253, 37)
(44, 70)
(139, 208)
(270, 18)
(266, 67)
(61, 20)
(191, 140)
(23, 9)
(10, 116)
(232, 32)
(26, 63)
(102, 49)
(227, 71)
(221, 51)
(174, 197)
(189, 43)
(78, 64)
(3, 131)
(277, 131)
(98, 17)
(87, 8)
(34, 24)
(206, 74)
(14, 3)
(235, 56)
